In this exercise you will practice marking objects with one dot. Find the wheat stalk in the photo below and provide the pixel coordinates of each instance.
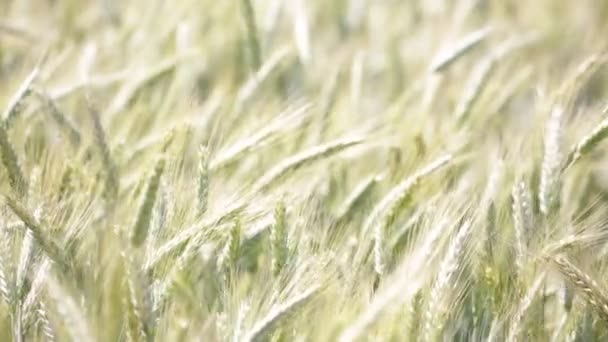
(330, 97)
(252, 34)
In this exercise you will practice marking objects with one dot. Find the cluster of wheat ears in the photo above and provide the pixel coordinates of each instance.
(297, 170)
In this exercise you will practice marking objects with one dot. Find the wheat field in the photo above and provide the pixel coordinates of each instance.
(303, 170)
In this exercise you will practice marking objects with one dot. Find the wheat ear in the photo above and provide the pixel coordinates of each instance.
(461, 48)
(203, 180)
(385, 212)
(280, 313)
(436, 312)
(15, 104)
(111, 172)
(595, 295)
(144, 216)
(295, 162)
(522, 220)
(549, 187)
(278, 239)
(11, 163)
(587, 143)
(51, 248)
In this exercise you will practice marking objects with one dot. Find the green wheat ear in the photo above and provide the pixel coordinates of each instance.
(39, 233)
(112, 182)
(203, 180)
(144, 217)
(587, 143)
(227, 260)
(11, 163)
(278, 239)
(15, 105)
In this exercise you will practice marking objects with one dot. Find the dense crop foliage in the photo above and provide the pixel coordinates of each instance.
(293, 170)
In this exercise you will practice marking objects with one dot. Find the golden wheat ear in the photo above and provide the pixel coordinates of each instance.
(595, 294)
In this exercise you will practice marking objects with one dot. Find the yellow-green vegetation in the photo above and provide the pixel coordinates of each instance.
(303, 170)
